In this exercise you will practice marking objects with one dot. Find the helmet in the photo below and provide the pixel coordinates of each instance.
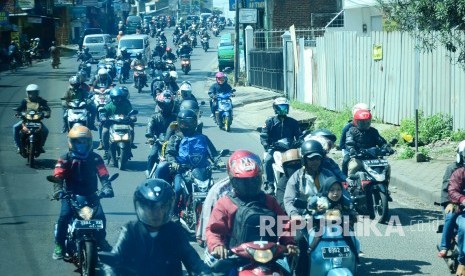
(162, 33)
(220, 77)
(121, 22)
(327, 138)
(460, 152)
(74, 82)
(245, 173)
(139, 55)
(362, 119)
(359, 106)
(281, 106)
(186, 90)
(37, 39)
(102, 72)
(291, 161)
(165, 101)
(82, 76)
(32, 91)
(116, 94)
(187, 121)
(80, 141)
(125, 91)
(173, 74)
(192, 105)
(154, 202)
(185, 44)
(53, 43)
(311, 148)
(168, 49)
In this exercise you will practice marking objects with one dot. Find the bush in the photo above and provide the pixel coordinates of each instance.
(430, 129)
(405, 152)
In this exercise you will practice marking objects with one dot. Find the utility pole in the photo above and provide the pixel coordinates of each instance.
(236, 45)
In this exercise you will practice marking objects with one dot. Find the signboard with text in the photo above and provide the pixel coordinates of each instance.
(247, 16)
(3, 18)
(251, 4)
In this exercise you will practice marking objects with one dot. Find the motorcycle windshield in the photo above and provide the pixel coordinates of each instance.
(202, 174)
(90, 200)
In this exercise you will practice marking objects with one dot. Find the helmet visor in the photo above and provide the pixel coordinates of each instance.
(247, 187)
(33, 94)
(220, 80)
(186, 93)
(187, 124)
(81, 145)
(364, 124)
(282, 109)
(154, 214)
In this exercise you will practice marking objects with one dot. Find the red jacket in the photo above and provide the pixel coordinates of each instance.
(457, 185)
(222, 219)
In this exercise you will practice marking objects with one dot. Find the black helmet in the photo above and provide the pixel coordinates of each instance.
(154, 202)
(139, 55)
(192, 105)
(311, 148)
(187, 121)
(325, 133)
(86, 50)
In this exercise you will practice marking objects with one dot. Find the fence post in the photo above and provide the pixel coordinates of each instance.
(248, 46)
(286, 37)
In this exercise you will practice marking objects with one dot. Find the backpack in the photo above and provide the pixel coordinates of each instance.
(247, 221)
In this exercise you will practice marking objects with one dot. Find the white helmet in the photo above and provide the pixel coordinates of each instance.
(32, 87)
(102, 71)
(185, 86)
(358, 107)
(281, 106)
(37, 39)
(460, 152)
(174, 74)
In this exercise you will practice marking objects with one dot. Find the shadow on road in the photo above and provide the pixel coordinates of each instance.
(45, 164)
(136, 166)
(409, 216)
(391, 267)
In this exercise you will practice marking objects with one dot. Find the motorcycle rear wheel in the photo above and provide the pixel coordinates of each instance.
(88, 258)
(123, 158)
(31, 156)
(227, 125)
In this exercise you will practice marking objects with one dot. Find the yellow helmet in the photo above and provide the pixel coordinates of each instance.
(80, 141)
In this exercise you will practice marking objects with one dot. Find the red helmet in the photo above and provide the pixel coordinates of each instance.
(244, 164)
(362, 119)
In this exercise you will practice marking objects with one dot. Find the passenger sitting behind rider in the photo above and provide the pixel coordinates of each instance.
(145, 246)
(223, 231)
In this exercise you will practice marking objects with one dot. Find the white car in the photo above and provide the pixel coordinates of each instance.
(96, 44)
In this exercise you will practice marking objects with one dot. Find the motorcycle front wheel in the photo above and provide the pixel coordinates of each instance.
(381, 206)
(227, 124)
(88, 258)
(123, 158)
(31, 156)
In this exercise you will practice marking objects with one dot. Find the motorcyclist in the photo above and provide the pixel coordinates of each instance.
(102, 80)
(450, 210)
(158, 124)
(163, 37)
(291, 163)
(137, 61)
(185, 49)
(342, 142)
(110, 51)
(170, 82)
(145, 246)
(54, 52)
(36, 46)
(126, 58)
(303, 185)
(189, 149)
(245, 176)
(276, 128)
(118, 105)
(32, 102)
(220, 86)
(77, 171)
(13, 51)
(169, 55)
(194, 106)
(185, 92)
(85, 56)
(76, 92)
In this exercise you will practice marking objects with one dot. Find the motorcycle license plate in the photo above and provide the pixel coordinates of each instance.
(200, 194)
(120, 127)
(78, 111)
(32, 125)
(88, 224)
(335, 252)
(376, 162)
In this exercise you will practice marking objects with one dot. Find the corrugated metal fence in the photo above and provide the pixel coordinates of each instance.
(345, 73)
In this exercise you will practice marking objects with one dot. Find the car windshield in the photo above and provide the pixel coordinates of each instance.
(131, 43)
(225, 43)
(96, 39)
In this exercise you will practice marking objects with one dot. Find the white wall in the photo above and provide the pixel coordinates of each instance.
(356, 17)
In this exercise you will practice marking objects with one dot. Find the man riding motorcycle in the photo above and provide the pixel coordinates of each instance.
(138, 61)
(76, 92)
(126, 58)
(185, 49)
(85, 56)
(162, 37)
(32, 102)
(170, 82)
(78, 170)
(102, 80)
(185, 93)
(220, 86)
(158, 124)
(169, 55)
(119, 105)
(145, 246)
(276, 128)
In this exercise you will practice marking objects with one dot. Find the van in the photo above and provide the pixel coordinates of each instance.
(136, 43)
(96, 44)
(89, 31)
(133, 22)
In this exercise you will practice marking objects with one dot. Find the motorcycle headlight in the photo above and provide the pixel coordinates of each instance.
(261, 256)
(86, 213)
(203, 185)
(125, 137)
(116, 137)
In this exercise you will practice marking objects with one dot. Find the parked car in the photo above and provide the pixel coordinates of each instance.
(133, 22)
(96, 44)
(89, 31)
(226, 51)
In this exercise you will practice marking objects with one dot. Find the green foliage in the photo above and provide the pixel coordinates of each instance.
(430, 129)
(405, 152)
(433, 23)
(458, 135)
(425, 151)
(391, 133)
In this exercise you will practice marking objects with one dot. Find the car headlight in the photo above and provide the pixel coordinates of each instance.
(86, 213)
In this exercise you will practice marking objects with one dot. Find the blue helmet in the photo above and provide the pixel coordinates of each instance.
(117, 94)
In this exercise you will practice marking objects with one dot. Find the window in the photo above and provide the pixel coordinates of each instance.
(97, 39)
(131, 43)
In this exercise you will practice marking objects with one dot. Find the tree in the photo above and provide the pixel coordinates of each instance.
(432, 22)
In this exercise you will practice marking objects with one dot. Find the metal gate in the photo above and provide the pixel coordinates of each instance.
(266, 69)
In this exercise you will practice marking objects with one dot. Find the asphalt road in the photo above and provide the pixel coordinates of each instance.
(27, 215)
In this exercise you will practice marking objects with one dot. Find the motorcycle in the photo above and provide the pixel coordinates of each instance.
(120, 139)
(451, 258)
(205, 44)
(76, 113)
(110, 66)
(157, 83)
(140, 78)
(155, 142)
(85, 66)
(201, 180)
(101, 97)
(30, 135)
(224, 111)
(170, 65)
(55, 61)
(369, 187)
(193, 40)
(80, 246)
(185, 64)
(215, 30)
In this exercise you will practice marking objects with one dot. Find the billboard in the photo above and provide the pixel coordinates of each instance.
(251, 4)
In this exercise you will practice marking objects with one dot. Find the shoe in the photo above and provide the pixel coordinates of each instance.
(58, 252)
(64, 130)
(460, 270)
(133, 146)
(18, 150)
(442, 253)
(103, 245)
(105, 155)
(212, 115)
(100, 146)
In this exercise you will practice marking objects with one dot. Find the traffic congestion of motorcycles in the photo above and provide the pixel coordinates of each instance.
(97, 107)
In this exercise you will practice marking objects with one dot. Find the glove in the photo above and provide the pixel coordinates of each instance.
(107, 191)
(175, 166)
(450, 208)
(57, 190)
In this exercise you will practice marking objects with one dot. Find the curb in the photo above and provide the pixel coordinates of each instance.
(241, 103)
(428, 197)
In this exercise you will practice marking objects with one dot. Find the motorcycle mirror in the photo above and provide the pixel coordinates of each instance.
(148, 135)
(113, 177)
(259, 129)
(133, 112)
(202, 103)
(53, 179)
(224, 152)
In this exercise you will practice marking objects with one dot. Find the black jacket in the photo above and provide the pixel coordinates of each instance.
(139, 253)
(275, 129)
(217, 88)
(363, 139)
(158, 124)
(445, 181)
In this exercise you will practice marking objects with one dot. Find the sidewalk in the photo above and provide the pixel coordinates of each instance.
(423, 180)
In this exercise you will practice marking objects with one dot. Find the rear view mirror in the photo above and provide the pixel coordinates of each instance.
(224, 152)
(259, 129)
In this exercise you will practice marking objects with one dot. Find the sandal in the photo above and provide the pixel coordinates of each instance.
(442, 253)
